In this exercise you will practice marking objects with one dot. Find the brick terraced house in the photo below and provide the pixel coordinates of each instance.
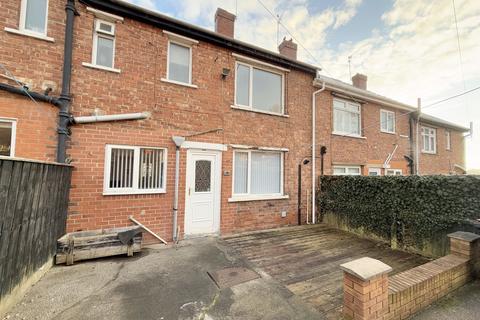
(188, 130)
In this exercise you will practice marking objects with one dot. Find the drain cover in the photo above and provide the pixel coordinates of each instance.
(230, 277)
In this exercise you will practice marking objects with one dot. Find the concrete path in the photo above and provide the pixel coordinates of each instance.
(159, 284)
(462, 304)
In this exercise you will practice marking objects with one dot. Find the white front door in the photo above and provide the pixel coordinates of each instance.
(202, 207)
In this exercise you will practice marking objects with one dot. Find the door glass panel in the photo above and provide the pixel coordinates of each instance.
(203, 170)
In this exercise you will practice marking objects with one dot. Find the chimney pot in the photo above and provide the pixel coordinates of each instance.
(360, 81)
(288, 48)
(225, 23)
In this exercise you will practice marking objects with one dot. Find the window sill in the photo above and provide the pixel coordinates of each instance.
(257, 198)
(180, 83)
(388, 132)
(94, 66)
(348, 135)
(132, 192)
(30, 34)
(429, 152)
(259, 111)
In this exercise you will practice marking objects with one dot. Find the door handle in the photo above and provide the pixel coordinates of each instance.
(189, 189)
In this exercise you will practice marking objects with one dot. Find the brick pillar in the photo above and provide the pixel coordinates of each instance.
(365, 289)
(467, 244)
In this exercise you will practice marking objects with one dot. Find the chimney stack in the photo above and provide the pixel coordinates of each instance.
(360, 81)
(288, 48)
(225, 23)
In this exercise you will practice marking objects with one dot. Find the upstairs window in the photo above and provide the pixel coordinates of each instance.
(346, 118)
(429, 140)
(33, 16)
(179, 63)
(7, 137)
(134, 170)
(448, 141)
(387, 121)
(259, 89)
(257, 173)
(347, 171)
(104, 44)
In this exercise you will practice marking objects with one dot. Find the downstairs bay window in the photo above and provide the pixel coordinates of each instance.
(257, 175)
(134, 170)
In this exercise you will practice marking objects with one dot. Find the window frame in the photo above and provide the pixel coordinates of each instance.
(250, 107)
(394, 121)
(136, 161)
(377, 170)
(359, 135)
(23, 20)
(434, 135)
(249, 195)
(102, 34)
(346, 167)
(185, 45)
(13, 137)
(448, 140)
(394, 171)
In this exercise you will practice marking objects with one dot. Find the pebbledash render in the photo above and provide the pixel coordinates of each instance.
(240, 115)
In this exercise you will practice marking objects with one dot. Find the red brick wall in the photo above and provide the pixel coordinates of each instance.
(444, 161)
(36, 136)
(141, 55)
(373, 149)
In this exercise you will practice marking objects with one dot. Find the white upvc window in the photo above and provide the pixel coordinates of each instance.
(259, 89)
(103, 54)
(448, 140)
(347, 171)
(374, 171)
(8, 132)
(387, 121)
(34, 17)
(134, 170)
(179, 65)
(429, 140)
(393, 172)
(346, 118)
(257, 173)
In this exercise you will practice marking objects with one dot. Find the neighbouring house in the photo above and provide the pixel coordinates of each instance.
(189, 130)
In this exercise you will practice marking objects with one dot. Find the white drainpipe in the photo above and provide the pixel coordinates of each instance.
(112, 117)
(178, 143)
(314, 109)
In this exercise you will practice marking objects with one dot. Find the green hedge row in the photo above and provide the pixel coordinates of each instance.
(413, 207)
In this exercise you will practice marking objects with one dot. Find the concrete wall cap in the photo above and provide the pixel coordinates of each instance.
(366, 268)
(465, 236)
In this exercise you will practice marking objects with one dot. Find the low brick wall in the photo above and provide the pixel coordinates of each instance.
(366, 281)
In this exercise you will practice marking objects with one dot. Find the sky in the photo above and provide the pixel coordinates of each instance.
(409, 49)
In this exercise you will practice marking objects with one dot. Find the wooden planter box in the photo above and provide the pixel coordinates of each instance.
(84, 245)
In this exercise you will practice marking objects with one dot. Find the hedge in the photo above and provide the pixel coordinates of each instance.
(415, 208)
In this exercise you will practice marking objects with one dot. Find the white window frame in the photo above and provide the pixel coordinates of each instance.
(136, 159)
(359, 135)
(23, 20)
(185, 45)
(346, 170)
(248, 195)
(448, 140)
(377, 170)
(434, 135)
(250, 107)
(97, 32)
(381, 123)
(394, 172)
(13, 138)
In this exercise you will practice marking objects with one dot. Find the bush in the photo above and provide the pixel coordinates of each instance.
(415, 207)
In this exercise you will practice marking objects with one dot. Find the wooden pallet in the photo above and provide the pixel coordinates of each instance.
(84, 245)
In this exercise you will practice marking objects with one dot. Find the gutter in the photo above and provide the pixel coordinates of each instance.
(314, 128)
(113, 117)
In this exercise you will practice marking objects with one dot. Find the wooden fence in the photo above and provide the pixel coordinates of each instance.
(33, 213)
